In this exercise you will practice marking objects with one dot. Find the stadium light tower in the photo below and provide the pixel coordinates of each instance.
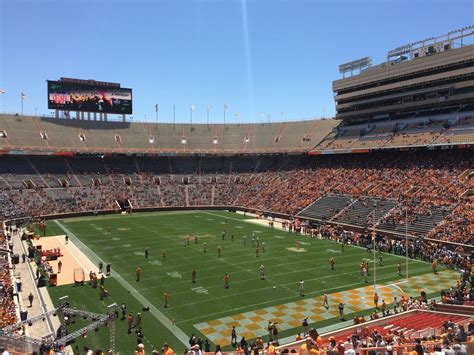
(157, 109)
(208, 110)
(225, 110)
(22, 99)
(174, 114)
(191, 110)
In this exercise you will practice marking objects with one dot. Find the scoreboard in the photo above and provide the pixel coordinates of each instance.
(89, 96)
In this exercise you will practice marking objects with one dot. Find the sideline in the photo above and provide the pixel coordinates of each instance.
(177, 332)
(66, 246)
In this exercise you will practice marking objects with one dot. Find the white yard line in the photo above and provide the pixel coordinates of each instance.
(181, 335)
(167, 323)
(295, 290)
(255, 272)
(255, 305)
(350, 245)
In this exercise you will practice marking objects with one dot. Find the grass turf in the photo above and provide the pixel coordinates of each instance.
(51, 230)
(122, 240)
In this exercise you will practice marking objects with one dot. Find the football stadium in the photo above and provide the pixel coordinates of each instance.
(350, 233)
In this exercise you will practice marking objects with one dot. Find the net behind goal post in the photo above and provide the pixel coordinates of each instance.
(79, 276)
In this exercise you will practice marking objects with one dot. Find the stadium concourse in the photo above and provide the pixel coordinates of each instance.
(417, 201)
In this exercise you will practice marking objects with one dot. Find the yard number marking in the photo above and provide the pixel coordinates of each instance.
(199, 290)
(174, 274)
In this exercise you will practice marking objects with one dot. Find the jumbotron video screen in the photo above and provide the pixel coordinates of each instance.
(80, 97)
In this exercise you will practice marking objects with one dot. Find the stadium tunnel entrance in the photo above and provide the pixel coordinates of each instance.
(125, 205)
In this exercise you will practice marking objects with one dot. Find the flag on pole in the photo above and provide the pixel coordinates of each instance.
(226, 107)
(193, 108)
(23, 96)
(156, 108)
(209, 107)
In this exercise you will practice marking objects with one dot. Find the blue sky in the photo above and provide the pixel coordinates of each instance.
(256, 56)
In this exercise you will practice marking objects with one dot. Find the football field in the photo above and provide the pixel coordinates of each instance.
(206, 308)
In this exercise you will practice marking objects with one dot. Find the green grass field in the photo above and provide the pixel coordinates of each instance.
(206, 300)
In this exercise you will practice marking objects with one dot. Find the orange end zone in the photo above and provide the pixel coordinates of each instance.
(72, 259)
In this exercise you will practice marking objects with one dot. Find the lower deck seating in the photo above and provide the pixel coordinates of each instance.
(361, 210)
(421, 321)
(413, 323)
(419, 224)
(326, 207)
(342, 189)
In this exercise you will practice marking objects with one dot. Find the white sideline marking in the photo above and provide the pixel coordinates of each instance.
(176, 331)
(73, 254)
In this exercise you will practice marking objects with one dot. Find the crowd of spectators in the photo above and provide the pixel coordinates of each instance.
(463, 292)
(422, 180)
(419, 248)
(421, 183)
(8, 309)
(457, 226)
(378, 341)
(8, 208)
(421, 133)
